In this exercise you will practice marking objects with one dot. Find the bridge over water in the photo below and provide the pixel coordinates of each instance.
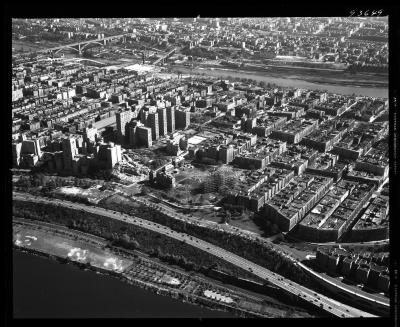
(80, 46)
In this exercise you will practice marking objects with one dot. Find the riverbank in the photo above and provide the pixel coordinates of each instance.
(339, 84)
(183, 250)
(85, 294)
(138, 271)
(318, 75)
(138, 283)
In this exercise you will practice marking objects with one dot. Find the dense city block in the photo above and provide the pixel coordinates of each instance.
(117, 115)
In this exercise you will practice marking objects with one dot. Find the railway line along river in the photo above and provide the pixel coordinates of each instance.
(44, 288)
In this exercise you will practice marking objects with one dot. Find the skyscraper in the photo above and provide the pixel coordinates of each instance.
(113, 155)
(31, 147)
(16, 150)
(122, 118)
(144, 136)
(152, 122)
(162, 121)
(182, 119)
(171, 119)
(139, 134)
(69, 147)
(69, 151)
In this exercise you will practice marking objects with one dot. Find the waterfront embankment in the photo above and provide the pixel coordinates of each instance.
(295, 79)
(92, 254)
(55, 290)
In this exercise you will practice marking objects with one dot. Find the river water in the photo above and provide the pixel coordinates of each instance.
(378, 92)
(43, 288)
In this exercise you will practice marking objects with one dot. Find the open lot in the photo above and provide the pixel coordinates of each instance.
(120, 200)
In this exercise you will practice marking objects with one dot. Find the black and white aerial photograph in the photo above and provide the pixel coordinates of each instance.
(200, 167)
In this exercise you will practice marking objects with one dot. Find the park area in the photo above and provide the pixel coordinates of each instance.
(196, 184)
(239, 219)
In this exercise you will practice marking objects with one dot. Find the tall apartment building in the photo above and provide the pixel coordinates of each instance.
(226, 154)
(162, 121)
(69, 147)
(139, 134)
(144, 136)
(113, 155)
(143, 115)
(90, 134)
(16, 153)
(170, 119)
(70, 150)
(153, 123)
(123, 118)
(182, 119)
(31, 147)
(109, 155)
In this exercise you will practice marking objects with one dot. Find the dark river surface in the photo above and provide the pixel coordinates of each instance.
(43, 288)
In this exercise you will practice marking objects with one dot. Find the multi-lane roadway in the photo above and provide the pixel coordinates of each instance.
(329, 305)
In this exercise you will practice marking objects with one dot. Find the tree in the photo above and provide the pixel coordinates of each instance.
(227, 217)
(201, 198)
(224, 190)
(274, 228)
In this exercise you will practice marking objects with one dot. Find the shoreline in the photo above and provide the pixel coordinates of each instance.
(143, 285)
(123, 281)
(293, 79)
(177, 294)
(310, 74)
(315, 75)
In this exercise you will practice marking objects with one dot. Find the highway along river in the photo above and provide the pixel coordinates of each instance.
(44, 288)
(379, 92)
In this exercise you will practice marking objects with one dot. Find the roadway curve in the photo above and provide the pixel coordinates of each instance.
(371, 298)
(329, 305)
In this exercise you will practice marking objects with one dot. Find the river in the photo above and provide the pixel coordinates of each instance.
(291, 81)
(378, 92)
(43, 288)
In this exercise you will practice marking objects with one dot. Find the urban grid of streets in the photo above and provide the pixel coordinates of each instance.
(162, 113)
